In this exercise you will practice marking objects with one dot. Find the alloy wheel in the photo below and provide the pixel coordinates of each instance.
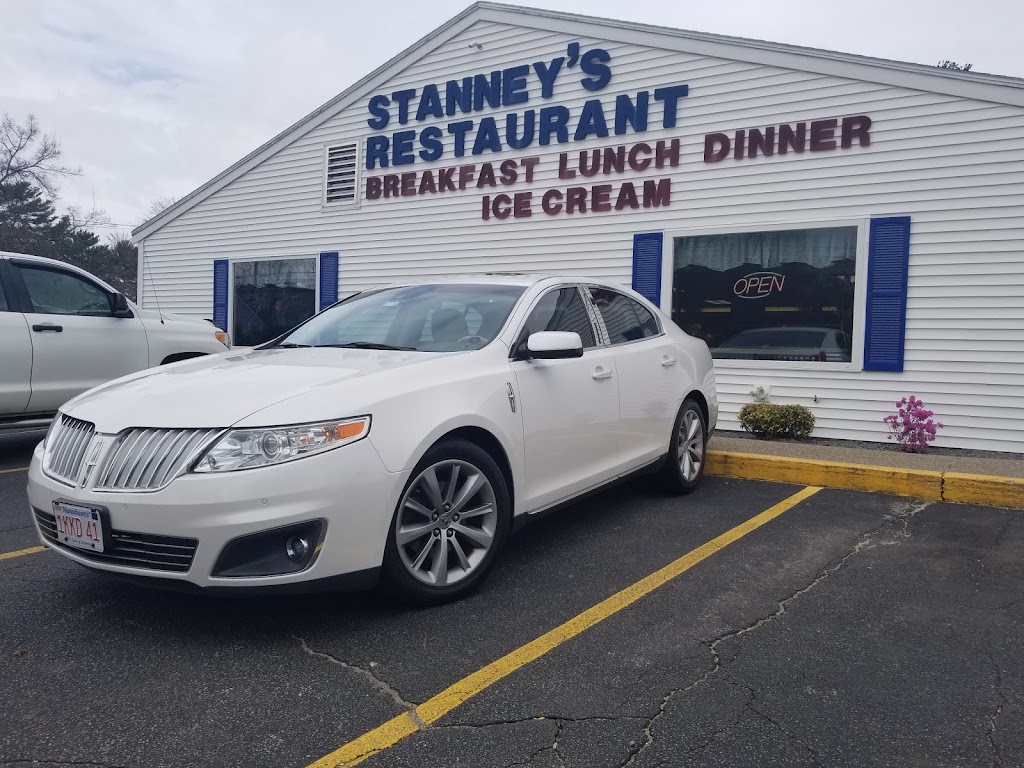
(691, 445)
(446, 522)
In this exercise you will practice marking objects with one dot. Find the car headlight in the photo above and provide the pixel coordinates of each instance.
(263, 446)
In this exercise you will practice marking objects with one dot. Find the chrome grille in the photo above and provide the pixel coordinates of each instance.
(135, 550)
(66, 448)
(147, 459)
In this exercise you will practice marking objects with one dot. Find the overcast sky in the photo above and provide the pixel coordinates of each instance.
(152, 98)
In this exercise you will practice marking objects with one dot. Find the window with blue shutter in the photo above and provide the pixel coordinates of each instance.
(886, 316)
(328, 279)
(647, 250)
(220, 293)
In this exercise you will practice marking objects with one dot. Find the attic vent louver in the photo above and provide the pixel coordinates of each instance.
(341, 173)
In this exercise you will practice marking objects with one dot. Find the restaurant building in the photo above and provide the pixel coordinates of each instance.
(841, 230)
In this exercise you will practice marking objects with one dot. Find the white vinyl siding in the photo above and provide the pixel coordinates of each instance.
(954, 165)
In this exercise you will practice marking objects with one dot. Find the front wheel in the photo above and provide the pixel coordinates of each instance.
(451, 522)
(684, 465)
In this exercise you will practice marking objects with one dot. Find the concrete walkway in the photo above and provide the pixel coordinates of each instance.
(886, 454)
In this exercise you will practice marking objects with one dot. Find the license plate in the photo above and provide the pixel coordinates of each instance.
(78, 526)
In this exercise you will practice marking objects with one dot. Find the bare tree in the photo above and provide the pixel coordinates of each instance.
(159, 205)
(27, 154)
(947, 64)
(82, 219)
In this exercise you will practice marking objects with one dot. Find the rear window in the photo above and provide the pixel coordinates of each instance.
(625, 319)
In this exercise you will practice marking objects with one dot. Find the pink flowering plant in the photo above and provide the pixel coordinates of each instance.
(912, 425)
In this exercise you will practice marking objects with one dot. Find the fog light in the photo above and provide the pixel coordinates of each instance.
(296, 548)
(274, 552)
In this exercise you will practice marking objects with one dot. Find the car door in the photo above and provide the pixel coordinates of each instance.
(77, 344)
(650, 376)
(570, 406)
(15, 351)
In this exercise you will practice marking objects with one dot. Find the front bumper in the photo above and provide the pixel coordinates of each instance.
(348, 487)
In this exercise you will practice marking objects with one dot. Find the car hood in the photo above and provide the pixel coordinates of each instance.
(149, 315)
(221, 390)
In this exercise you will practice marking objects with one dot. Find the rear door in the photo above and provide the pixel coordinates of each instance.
(15, 351)
(650, 377)
(76, 342)
(570, 407)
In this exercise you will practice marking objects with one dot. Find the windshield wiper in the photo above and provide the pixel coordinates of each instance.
(288, 345)
(368, 345)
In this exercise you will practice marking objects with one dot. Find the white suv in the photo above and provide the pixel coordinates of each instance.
(63, 331)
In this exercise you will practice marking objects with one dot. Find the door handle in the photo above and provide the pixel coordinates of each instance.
(47, 327)
(668, 360)
(602, 373)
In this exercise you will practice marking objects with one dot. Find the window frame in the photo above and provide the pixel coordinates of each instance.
(860, 287)
(599, 341)
(233, 260)
(28, 306)
(12, 302)
(598, 318)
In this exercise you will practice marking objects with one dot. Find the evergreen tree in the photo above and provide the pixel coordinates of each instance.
(29, 223)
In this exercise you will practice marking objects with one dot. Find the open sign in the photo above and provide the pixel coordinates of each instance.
(758, 285)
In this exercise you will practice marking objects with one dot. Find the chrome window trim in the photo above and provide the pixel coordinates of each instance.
(604, 328)
(533, 306)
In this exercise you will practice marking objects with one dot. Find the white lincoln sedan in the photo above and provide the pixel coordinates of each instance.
(399, 435)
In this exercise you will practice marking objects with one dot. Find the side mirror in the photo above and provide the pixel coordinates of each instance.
(119, 306)
(554, 345)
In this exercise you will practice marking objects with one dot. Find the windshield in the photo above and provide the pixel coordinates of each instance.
(424, 318)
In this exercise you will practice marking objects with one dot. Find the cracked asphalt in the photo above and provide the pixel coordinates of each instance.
(854, 630)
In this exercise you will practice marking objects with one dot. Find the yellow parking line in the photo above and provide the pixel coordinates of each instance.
(20, 552)
(408, 723)
(13, 469)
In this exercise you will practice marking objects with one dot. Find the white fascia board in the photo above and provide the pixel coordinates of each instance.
(140, 265)
(311, 121)
(972, 85)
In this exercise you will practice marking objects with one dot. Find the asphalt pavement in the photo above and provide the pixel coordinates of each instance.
(853, 629)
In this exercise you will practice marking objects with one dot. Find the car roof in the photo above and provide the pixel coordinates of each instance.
(56, 263)
(524, 279)
(40, 259)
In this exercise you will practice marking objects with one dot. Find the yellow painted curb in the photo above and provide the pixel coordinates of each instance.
(920, 484)
(986, 490)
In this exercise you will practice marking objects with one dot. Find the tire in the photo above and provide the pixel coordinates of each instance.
(684, 465)
(435, 552)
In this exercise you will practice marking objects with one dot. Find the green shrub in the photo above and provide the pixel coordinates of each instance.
(774, 421)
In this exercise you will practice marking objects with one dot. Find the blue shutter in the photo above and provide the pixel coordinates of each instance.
(328, 279)
(220, 293)
(886, 317)
(647, 266)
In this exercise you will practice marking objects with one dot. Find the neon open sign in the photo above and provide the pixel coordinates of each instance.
(759, 285)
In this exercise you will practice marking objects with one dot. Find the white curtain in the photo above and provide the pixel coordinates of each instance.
(817, 247)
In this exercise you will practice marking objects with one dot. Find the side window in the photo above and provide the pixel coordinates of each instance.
(648, 322)
(560, 310)
(625, 319)
(3, 298)
(56, 292)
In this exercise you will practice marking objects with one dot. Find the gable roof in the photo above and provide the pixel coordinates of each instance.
(974, 85)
